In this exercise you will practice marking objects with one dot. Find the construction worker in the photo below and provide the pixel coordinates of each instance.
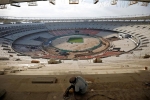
(78, 84)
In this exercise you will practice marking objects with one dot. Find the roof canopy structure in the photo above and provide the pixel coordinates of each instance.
(4, 2)
(16, 3)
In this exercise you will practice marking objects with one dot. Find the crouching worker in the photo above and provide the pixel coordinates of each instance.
(78, 84)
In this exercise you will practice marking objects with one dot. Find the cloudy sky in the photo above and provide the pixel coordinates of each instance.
(85, 8)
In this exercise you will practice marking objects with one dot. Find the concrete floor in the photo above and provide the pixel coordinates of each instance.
(100, 87)
(114, 79)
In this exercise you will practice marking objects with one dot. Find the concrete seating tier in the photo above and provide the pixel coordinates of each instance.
(140, 33)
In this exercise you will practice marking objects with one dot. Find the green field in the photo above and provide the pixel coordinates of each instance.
(75, 40)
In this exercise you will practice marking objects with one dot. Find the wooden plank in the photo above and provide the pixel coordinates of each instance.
(44, 80)
(33, 67)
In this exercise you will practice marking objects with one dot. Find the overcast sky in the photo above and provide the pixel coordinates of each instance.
(85, 8)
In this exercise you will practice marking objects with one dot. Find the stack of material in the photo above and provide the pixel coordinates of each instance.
(97, 60)
(52, 61)
(35, 61)
(146, 56)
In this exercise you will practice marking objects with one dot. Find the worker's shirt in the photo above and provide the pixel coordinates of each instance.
(80, 85)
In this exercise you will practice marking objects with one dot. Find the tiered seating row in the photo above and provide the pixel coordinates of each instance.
(10, 30)
(90, 31)
(68, 32)
(61, 32)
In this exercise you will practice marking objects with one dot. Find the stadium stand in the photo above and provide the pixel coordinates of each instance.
(23, 34)
(37, 59)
